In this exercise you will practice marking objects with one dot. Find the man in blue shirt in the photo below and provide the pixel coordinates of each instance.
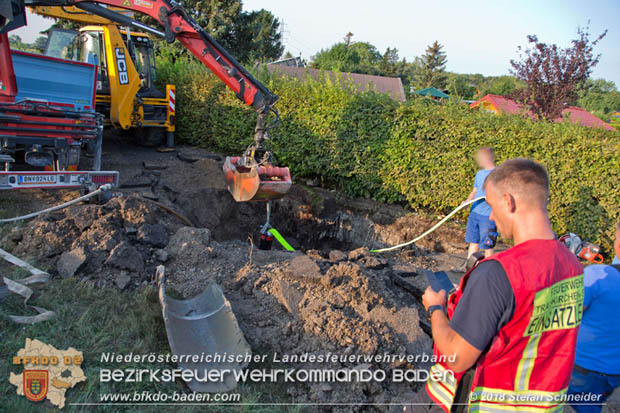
(597, 364)
(478, 224)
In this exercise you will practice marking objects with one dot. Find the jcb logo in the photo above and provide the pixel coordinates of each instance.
(121, 64)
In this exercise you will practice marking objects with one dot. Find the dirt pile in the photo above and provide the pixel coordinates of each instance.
(346, 303)
(293, 303)
(119, 243)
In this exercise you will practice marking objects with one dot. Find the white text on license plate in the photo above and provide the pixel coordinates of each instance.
(37, 179)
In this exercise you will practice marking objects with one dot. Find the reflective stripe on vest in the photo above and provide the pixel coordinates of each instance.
(526, 365)
(441, 386)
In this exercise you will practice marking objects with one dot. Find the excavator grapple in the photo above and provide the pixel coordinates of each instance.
(256, 183)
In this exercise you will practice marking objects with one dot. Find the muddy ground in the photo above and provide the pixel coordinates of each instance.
(332, 295)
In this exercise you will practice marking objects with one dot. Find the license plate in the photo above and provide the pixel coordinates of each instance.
(37, 179)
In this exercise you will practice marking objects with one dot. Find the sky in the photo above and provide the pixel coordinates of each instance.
(478, 36)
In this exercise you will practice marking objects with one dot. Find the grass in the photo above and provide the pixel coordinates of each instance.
(13, 206)
(10, 208)
(96, 320)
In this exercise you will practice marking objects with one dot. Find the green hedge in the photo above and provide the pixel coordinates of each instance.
(365, 144)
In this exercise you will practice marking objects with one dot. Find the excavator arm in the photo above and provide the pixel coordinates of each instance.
(243, 174)
(179, 25)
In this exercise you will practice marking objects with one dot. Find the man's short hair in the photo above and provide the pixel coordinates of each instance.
(488, 151)
(522, 177)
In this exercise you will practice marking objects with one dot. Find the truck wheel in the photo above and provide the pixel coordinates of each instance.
(150, 137)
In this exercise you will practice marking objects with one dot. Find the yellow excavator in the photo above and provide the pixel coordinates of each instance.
(126, 73)
(249, 177)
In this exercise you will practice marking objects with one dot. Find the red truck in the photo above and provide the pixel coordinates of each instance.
(47, 117)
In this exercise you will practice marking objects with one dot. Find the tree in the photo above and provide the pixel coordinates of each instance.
(257, 37)
(357, 57)
(459, 85)
(15, 40)
(248, 36)
(599, 86)
(389, 62)
(391, 65)
(600, 97)
(39, 44)
(17, 44)
(464, 85)
(70, 25)
(500, 85)
(363, 57)
(429, 69)
(553, 76)
(217, 17)
(475, 86)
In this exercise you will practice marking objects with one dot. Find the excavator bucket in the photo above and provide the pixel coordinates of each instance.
(204, 326)
(259, 183)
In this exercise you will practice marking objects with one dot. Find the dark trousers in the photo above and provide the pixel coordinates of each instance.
(587, 382)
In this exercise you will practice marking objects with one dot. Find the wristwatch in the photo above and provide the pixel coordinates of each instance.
(434, 308)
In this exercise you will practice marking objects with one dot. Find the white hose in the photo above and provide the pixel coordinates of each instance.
(433, 228)
(102, 188)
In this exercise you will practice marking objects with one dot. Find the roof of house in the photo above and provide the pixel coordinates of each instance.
(583, 117)
(573, 113)
(433, 92)
(503, 104)
(381, 84)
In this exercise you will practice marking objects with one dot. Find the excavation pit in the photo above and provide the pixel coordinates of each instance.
(330, 296)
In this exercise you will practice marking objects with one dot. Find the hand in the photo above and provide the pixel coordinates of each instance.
(431, 298)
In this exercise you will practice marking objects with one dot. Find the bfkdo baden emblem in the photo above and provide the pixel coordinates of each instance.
(36, 384)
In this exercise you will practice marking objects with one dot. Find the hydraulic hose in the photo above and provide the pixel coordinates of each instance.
(430, 230)
(101, 189)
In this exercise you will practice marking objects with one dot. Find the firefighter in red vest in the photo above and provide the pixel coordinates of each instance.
(506, 338)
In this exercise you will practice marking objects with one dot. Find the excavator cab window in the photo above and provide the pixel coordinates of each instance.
(61, 44)
(144, 55)
(144, 60)
(91, 50)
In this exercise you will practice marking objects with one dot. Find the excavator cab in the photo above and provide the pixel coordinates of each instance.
(88, 46)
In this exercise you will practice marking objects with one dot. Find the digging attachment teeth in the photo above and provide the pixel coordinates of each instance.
(259, 183)
(204, 326)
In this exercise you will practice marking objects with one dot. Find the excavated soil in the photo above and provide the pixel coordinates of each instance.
(330, 296)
